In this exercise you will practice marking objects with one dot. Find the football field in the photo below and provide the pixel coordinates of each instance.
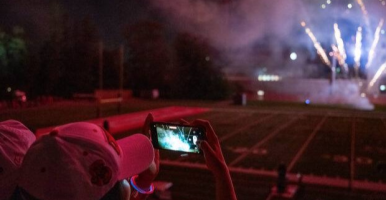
(340, 155)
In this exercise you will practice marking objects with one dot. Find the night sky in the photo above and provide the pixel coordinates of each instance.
(241, 23)
(110, 16)
(236, 28)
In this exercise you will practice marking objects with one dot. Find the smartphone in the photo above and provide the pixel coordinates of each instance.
(175, 137)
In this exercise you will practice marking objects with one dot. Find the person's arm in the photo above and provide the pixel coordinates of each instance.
(146, 178)
(216, 163)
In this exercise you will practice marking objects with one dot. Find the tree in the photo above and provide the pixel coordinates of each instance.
(13, 59)
(149, 56)
(68, 60)
(81, 67)
(51, 66)
(197, 75)
(110, 69)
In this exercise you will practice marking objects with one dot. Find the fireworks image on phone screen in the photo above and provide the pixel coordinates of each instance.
(179, 138)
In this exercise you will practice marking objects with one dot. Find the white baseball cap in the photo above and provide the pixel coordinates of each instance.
(15, 139)
(82, 161)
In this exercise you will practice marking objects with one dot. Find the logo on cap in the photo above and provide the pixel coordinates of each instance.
(100, 173)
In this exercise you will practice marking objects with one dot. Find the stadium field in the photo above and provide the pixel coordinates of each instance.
(338, 154)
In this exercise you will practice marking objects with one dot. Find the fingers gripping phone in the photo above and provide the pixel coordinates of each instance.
(175, 137)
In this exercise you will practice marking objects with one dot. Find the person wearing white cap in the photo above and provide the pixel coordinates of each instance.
(82, 161)
(15, 139)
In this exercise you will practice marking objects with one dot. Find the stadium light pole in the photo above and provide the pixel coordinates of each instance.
(121, 62)
(100, 63)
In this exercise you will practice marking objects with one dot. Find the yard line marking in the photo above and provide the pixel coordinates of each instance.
(269, 136)
(233, 119)
(305, 145)
(307, 179)
(383, 122)
(238, 110)
(352, 161)
(225, 137)
(269, 197)
(211, 116)
(224, 121)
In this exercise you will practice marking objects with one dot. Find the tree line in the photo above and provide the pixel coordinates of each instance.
(179, 65)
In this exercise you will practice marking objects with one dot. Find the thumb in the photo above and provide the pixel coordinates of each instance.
(156, 157)
(209, 153)
(146, 126)
(215, 164)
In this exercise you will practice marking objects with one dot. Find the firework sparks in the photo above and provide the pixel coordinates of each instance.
(318, 47)
(340, 43)
(377, 75)
(336, 54)
(358, 47)
(364, 11)
(374, 44)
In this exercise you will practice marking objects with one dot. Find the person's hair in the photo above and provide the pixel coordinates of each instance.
(115, 192)
(21, 194)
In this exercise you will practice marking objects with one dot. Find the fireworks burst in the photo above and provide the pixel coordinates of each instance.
(377, 75)
(318, 47)
(364, 11)
(340, 43)
(358, 47)
(374, 44)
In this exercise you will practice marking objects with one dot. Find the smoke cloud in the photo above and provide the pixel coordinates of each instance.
(233, 25)
(238, 27)
(344, 93)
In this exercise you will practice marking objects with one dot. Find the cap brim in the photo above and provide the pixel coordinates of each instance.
(138, 154)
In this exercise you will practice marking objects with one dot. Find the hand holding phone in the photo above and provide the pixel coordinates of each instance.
(210, 147)
(215, 162)
(176, 137)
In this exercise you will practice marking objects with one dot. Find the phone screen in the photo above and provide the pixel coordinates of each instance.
(177, 137)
